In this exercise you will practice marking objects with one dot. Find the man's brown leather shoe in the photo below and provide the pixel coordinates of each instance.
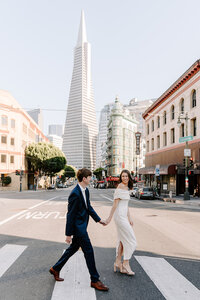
(56, 275)
(99, 286)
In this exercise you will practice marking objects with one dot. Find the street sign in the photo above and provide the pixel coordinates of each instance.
(187, 152)
(157, 170)
(185, 138)
(138, 136)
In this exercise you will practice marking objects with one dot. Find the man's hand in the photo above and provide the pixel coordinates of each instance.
(68, 239)
(103, 222)
(131, 222)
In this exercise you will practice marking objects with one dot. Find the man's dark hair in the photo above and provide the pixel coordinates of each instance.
(83, 173)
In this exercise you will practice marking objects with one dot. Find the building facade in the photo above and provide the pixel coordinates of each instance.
(102, 135)
(121, 144)
(80, 133)
(165, 140)
(56, 129)
(17, 130)
(56, 140)
(137, 108)
(37, 116)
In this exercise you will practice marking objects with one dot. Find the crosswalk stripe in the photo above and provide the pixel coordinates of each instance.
(167, 279)
(76, 284)
(8, 255)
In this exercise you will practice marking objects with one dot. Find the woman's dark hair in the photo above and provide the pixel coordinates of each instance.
(130, 182)
(83, 173)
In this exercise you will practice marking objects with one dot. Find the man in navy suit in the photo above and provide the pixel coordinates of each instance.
(79, 210)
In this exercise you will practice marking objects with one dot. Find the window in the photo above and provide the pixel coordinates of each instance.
(164, 138)
(182, 106)
(152, 144)
(147, 128)
(4, 139)
(147, 146)
(152, 125)
(12, 124)
(158, 121)
(12, 141)
(4, 120)
(194, 126)
(12, 159)
(164, 118)
(182, 130)
(172, 136)
(158, 141)
(3, 158)
(194, 99)
(172, 112)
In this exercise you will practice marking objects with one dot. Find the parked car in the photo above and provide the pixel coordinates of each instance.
(51, 187)
(146, 193)
(133, 191)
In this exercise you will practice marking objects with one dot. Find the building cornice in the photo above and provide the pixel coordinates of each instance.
(174, 87)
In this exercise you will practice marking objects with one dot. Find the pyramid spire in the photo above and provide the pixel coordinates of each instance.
(82, 36)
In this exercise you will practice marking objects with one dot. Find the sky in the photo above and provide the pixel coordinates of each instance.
(139, 48)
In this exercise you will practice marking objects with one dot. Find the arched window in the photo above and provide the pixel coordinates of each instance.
(158, 121)
(164, 118)
(152, 125)
(194, 98)
(172, 112)
(182, 106)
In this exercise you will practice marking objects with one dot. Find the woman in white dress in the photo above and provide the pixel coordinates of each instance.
(126, 238)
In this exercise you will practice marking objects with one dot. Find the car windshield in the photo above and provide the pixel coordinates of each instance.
(147, 189)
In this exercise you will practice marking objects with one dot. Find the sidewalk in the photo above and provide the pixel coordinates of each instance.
(194, 201)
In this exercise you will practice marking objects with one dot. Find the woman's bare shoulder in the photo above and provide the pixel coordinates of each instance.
(120, 185)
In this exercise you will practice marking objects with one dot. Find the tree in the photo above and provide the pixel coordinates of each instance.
(69, 172)
(6, 180)
(45, 158)
(98, 173)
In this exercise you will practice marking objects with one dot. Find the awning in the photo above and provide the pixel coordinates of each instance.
(163, 170)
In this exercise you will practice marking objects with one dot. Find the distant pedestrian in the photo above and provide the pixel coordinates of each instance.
(79, 210)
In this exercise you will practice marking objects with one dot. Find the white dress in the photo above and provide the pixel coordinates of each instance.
(124, 229)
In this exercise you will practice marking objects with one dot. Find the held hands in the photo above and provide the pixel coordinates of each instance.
(103, 222)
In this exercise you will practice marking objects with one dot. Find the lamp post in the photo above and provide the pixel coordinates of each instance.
(186, 118)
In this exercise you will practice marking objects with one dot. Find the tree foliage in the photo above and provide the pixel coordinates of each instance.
(45, 158)
(6, 180)
(98, 173)
(69, 171)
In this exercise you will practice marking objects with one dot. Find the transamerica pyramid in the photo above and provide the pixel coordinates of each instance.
(80, 133)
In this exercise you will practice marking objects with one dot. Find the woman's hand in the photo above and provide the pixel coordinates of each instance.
(108, 220)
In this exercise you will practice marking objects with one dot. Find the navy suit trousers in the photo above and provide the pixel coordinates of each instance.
(86, 246)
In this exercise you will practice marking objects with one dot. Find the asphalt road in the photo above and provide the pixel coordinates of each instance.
(32, 225)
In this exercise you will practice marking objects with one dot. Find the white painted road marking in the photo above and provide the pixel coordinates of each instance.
(8, 255)
(106, 197)
(23, 211)
(76, 285)
(168, 280)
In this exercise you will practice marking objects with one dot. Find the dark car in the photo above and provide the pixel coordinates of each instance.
(146, 193)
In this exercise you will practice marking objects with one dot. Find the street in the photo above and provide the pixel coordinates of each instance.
(166, 261)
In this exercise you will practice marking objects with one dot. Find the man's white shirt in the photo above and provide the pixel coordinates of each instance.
(83, 192)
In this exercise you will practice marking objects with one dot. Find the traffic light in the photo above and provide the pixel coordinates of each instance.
(17, 172)
(191, 162)
(184, 162)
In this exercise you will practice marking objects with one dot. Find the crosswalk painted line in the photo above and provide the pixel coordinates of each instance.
(168, 280)
(76, 284)
(8, 255)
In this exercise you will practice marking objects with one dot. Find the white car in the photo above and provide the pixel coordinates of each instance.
(133, 191)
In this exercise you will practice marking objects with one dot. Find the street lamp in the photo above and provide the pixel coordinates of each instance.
(186, 118)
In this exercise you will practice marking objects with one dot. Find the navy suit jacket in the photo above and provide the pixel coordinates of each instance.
(78, 214)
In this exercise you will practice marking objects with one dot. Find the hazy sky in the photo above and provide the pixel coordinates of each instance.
(139, 48)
